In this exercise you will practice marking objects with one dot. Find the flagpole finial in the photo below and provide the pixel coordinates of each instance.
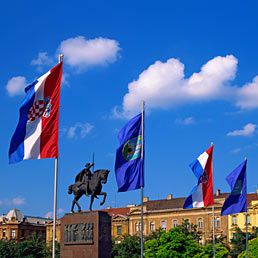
(212, 144)
(245, 158)
(61, 57)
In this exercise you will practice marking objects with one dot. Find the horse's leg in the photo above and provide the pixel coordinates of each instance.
(73, 205)
(91, 201)
(76, 198)
(104, 198)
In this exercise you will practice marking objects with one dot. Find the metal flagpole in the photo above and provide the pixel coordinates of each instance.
(143, 103)
(55, 194)
(213, 230)
(213, 218)
(246, 235)
(246, 232)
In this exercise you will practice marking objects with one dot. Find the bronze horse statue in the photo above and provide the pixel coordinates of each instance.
(98, 178)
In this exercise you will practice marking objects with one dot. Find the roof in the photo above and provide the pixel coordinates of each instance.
(15, 213)
(117, 211)
(177, 203)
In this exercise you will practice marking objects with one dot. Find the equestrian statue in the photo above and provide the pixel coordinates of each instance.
(89, 184)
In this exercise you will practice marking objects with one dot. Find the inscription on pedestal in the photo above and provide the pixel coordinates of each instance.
(75, 234)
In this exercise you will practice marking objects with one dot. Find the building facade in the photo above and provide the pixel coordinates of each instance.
(18, 227)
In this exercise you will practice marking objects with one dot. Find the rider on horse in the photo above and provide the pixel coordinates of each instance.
(84, 177)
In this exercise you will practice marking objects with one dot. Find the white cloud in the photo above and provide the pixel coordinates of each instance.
(42, 60)
(81, 53)
(185, 121)
(248, 95)
(50, 213)
(18, 200)
(79, 129)
(163, 85)
(16, 86)
(236, 150)
(248, 130)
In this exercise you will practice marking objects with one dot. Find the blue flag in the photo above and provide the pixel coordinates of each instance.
(236, 202)
(129, 162)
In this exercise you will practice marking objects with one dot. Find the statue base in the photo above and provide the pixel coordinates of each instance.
(86, 235)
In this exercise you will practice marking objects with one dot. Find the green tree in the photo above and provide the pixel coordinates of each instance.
(190, 230)
(221, 251)
(174, 244)
(7, 248)
(154, 235)
(252, 249)
(130, 247)
(238, 243)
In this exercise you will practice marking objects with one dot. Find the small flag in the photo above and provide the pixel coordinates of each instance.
(129, 164)
(202, 193)
(36, 135)
(236, 202)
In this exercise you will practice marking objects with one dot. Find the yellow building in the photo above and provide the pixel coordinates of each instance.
(49, 232)
(18, 227)
(169, 213)
(239, 219)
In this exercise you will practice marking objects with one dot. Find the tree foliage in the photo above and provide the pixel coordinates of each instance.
(173, 243)
(130, 247)
(33, 247)
(252, 249)
(238, 243)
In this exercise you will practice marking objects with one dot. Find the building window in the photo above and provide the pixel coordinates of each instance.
(163, 225)
(43, 235)
(136, 227)
(12, 234)
(119, 230)
(23, 233)
(199, 223)
(140, 226)
(217, 222)
(175, 223)
(234, 235)
(152, 226)
(4, 233)
(248, 219)
(234, 220)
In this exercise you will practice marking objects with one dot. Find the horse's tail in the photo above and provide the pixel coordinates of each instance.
(70, 189)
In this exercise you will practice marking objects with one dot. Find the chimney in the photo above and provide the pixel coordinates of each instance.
(257, 191)
(108, 207)
(218, 192)
(170, 197)
(145, 199)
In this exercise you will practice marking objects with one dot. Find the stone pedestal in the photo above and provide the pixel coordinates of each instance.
(86, 235)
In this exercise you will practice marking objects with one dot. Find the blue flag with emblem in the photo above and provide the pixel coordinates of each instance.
(129, 164)
(236, 202)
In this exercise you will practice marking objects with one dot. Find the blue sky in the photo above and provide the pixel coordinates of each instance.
(194, 63)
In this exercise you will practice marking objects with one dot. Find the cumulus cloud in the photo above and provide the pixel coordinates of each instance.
(163, 84)
(50, 213)
(18, 200)
(81, 53)
(248, 130)
(248, 95)
(79, 129)
(185, 121)
(16, 86)
(42, 60)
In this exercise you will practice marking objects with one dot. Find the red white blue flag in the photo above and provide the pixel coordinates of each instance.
(36, 135)
(202, 193)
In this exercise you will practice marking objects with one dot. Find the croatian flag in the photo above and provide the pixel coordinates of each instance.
(202, 193)
(36, 135)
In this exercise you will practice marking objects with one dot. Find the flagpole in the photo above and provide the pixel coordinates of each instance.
(213, 217)
(143, 103)
(246, 229)
(55, 194)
